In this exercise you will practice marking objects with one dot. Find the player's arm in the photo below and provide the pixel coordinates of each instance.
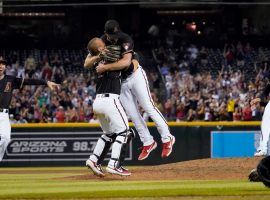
(123, 63)
(90, 61)
(20, 82)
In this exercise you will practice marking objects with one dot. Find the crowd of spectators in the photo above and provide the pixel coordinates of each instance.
(194, 89)
(196, 92)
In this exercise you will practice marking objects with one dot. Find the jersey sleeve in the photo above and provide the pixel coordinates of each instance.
(17, 83)
(127, 45)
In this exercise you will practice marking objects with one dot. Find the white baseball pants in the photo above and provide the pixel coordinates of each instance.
(265, 128)
(113, 119)
(5, 131)
(136, 89)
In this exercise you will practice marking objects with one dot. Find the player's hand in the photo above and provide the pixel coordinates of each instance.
(53, 85)
(101, 68)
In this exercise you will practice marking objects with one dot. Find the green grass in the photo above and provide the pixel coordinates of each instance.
(33, 183)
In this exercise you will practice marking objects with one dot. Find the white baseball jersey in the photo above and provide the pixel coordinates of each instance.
(136, 89)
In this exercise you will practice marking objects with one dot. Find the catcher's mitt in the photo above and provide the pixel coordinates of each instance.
(263, 170)
(254, 176)
(112, 53)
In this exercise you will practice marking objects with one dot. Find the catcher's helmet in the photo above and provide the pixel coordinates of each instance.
(263, 170)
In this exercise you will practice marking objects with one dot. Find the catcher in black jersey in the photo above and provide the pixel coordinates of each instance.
(110, 113)
(7, 85)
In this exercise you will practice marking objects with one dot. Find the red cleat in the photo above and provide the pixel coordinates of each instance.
(146, 150)
(167, 147)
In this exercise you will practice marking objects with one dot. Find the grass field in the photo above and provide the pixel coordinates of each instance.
(63, 183)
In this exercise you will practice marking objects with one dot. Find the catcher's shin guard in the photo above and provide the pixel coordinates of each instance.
(102, 147)
(120, 147)
(263, 169)
(124, 150)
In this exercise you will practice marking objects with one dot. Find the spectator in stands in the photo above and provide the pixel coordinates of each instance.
(60, 115)
(228, 53)
(47, 71)
(71, 115)
(30, 65)
(237, 115)
(230, 107)
(246, 112)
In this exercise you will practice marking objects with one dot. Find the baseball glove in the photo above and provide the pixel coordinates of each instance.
(263, 170)
(254, 176)
(111, 54)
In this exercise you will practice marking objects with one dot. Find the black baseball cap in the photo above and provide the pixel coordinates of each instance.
(3, 61)
(112, 28)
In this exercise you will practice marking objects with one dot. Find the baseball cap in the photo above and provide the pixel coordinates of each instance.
(3, 61)
(112, 28)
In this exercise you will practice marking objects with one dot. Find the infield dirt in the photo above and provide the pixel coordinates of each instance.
(203, 169)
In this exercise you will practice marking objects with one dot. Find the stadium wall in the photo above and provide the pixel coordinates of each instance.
(71, 143)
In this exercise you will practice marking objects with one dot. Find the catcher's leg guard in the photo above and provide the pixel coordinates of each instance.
(120, 147)
(102, 147)
(263, 169)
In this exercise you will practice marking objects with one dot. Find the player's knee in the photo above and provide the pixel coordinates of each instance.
(109, 137)
(125, 136)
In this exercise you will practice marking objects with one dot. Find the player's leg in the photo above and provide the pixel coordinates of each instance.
(130, 104)
(119, 124)
(5, 131)
(265, 128)
(104, 142)
(140, 89)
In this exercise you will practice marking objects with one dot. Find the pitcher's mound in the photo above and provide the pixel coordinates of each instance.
(204, 169)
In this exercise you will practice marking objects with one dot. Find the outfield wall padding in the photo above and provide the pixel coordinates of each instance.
(71, 144)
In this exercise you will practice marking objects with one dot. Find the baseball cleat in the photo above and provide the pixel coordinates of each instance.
(167, 147)
(260, 153)
(118, 171)
(97, 170)
(146, 150)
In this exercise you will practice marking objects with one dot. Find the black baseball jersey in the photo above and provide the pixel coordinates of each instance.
(9, 83)
(126, 43)
(109, 82)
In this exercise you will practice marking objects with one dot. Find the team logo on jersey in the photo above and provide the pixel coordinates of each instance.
(126, 46)
(8, 87)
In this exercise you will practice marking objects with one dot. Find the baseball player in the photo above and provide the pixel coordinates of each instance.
(7, 85)
(135, 88)
(265, 125)
(111, 115)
